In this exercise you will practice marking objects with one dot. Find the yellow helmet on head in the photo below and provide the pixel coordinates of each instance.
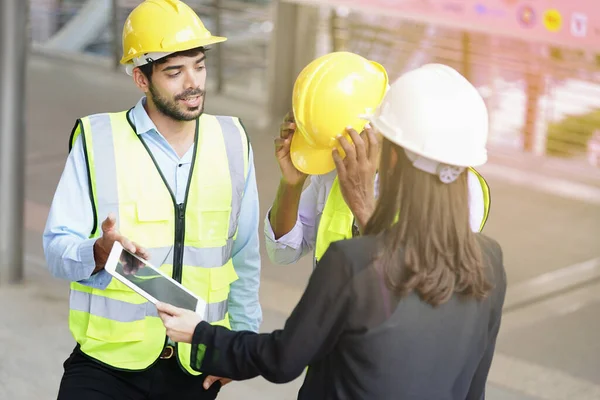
(157, 28)
(331, 93)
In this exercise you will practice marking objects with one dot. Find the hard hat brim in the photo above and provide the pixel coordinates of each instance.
(192, 44)
(310, 160)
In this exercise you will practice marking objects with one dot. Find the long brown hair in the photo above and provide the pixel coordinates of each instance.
(431, 249)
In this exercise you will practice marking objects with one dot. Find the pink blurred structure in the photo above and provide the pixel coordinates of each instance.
(569, 23)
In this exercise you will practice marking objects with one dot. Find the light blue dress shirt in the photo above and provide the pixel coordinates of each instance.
(69, 251)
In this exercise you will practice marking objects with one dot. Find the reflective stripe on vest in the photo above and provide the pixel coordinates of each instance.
(337, 218)
(116, 325)
(122, 311)
(193, 257)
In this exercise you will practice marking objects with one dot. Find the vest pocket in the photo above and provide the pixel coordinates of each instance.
(214, 227)
(151, 224)
(341, 223)
(207, 227)
(207, 215)
(220, 281)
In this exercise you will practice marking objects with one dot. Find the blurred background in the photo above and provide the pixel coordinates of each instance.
(536, 63)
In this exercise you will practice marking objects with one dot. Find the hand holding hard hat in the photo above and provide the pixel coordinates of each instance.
(290, 174)
(356, 172)
(332, 93)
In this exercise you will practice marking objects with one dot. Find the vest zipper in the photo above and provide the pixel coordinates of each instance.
(179, 217)
(179, 240)
(179, 208)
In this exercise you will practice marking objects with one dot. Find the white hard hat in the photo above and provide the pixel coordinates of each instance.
(438, 117)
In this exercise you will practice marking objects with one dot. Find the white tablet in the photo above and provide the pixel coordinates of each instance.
(149, 281)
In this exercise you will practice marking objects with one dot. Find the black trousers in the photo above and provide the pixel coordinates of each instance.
(86, 379)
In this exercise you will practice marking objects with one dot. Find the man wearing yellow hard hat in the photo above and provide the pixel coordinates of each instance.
(333, 98)
(177, 181)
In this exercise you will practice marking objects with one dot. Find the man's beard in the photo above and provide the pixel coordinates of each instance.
(171, 108)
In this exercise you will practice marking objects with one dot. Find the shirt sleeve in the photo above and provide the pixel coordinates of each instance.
(245, 312)
(302, 238)
(310, 332)
(68, 249)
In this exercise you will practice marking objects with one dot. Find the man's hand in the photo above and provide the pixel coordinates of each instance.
(110, 235)
(208, 382)
(356, 172)
(290, 173)
(131, 265)
(179, 322)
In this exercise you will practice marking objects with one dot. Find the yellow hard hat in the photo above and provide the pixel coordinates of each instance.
(333, 92)
(164, 27)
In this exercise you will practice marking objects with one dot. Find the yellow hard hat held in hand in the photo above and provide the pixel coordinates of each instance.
(156, 28)
(331, 93)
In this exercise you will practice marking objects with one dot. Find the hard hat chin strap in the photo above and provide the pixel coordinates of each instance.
(446, 173)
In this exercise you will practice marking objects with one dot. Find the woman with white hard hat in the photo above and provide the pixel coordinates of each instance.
(410, 310)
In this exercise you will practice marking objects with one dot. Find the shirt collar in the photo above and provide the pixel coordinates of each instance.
(141, 120)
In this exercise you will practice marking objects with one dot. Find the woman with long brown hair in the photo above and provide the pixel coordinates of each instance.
(411, 309)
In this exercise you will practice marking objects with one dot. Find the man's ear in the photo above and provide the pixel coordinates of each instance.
(141, 80)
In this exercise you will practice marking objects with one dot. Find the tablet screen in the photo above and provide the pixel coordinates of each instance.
(157, 285)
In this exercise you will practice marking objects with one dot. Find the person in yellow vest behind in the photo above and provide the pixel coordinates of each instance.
(177, 181)
(331, 97)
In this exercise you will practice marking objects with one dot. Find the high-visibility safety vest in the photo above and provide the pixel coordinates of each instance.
(192, 242)
(337, 219)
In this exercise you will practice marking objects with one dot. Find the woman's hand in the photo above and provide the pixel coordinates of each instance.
(356, 172)
(180, 323)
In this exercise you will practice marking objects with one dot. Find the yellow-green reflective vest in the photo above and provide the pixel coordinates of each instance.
(337, 219)
(192, 241)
